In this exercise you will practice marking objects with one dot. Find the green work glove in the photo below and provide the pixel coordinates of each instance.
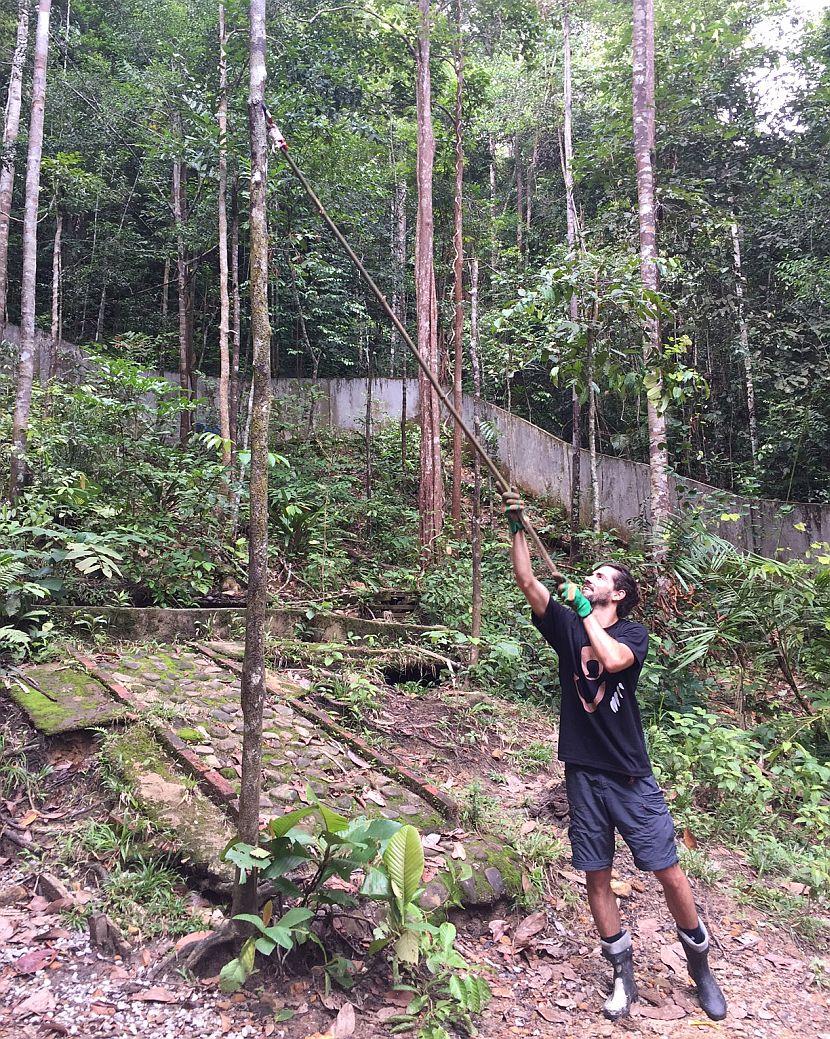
(513, 506)
(573, 597)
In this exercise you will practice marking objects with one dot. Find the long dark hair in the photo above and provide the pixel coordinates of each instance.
(624, 582)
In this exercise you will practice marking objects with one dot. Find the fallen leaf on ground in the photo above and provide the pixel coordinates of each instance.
(458, 851)
(497, 929)
(28, 818)
(666, 1012)
(548, 1013)
(344, 1023)
(530, 926)
(384, 1013)
(672, 956)
(32, 962)
(37, 1003)
(104, 1009)
(189, 939)
(155, 995)
(690, 841)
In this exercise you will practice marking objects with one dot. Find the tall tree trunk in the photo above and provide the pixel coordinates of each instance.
(102, 310)
(494, 245)
(26, 360)
(165, 291)
(399, 268)
(183, 293)
(592, 425)
(520, 216)
(50, 367)
(253, 667)
(82, 335)
(10, 131)
(574, 242)
(367, 446)
(224, 298)
(458, 264)
(643, 118)
(431, 489)
(399, 299)
(236, 331)
(475, 524)
(743, 333)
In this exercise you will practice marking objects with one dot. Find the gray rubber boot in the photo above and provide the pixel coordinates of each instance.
(619, 955)
(709, 995)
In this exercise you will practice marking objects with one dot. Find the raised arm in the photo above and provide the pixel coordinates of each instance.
(533, 590)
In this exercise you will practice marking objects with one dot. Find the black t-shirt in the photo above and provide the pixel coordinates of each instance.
(600, 724)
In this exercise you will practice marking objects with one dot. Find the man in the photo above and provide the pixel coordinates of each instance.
(607, 770)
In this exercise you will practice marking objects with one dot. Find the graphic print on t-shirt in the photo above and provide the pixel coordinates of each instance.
(590, 685)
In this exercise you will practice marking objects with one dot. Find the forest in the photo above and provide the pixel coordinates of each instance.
(312, 317)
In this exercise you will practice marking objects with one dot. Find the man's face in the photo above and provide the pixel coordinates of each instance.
(599, 589)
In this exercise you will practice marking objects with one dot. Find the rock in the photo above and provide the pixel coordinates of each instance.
(621, 888)
(284, 793)
(131, 665)
(106, 935)
(10, 895)
(434, 896)
(52, 888)
(496, 882)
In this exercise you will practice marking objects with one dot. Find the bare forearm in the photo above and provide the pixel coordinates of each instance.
(532, 589)
(613, 655)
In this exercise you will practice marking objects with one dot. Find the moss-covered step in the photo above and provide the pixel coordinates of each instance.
(399, 662)
(63, 699)
(174, 803)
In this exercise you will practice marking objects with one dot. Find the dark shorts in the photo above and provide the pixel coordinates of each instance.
(602, 802)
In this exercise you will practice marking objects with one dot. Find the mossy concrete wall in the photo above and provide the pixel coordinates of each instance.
(164, 624)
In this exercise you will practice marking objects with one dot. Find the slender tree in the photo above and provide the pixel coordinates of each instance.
(236, 330)
(743, 338)
(10, 132)
(253, 667)
(224, 296)
(431, 489)
(574, 242)
(184, 293)
(458, 263)
(26, 361)
(643, 119)
(475, 522)
(49, 368)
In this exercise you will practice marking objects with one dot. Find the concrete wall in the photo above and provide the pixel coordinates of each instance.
(540, 463)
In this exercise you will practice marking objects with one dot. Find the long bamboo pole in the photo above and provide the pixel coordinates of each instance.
(279, 143)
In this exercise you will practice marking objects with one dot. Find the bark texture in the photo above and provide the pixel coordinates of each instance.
(574, 242)
(26, 360)
(743, 339)
(458, 266)
(643, 119)
(224, 296)
(183, 287)
(253, 668)
(10, 131)
(236, 330)
(431, 488)
(475, 523)
(48, 367)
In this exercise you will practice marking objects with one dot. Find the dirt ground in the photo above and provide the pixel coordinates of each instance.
(542, 961)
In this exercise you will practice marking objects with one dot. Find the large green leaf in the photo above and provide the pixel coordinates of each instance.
(404, 861)
(280, 826)
(407, 947)
(234, 974)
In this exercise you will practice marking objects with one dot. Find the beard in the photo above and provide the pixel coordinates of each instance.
(597, 598)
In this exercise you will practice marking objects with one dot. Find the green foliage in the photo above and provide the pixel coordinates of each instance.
(299, 860)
